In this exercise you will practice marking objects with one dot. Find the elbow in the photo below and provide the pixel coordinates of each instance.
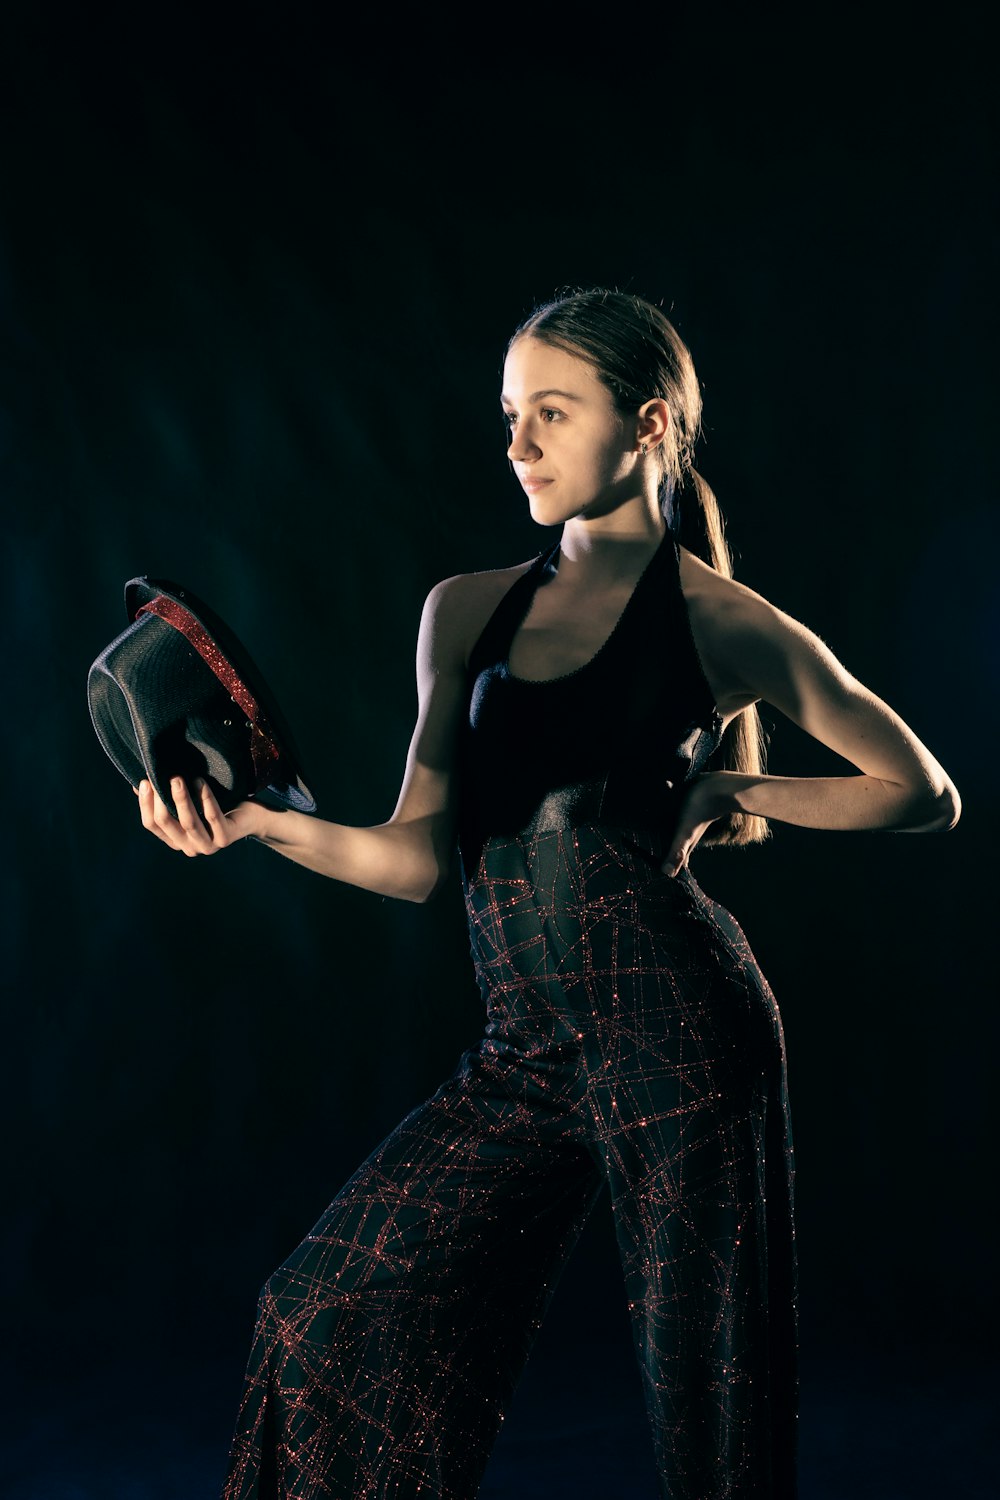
(422, 894)
(416, 895)
(936, 813)
(432, 882)
(949, 808)
(419, 860)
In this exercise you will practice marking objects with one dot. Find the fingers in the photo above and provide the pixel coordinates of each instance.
(211, 813)
(187, 815)
(692, 823)
(687, 841)
(197, 829)
(220, 830)
(154, 814)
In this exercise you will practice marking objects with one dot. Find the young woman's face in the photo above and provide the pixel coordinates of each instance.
(573, 452)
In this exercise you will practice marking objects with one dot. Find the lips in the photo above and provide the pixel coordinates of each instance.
(532, 484)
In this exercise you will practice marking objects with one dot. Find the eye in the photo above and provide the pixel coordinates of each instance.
(550, 414)
(509, 418)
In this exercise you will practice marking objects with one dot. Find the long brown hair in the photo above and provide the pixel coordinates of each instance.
(638, 354)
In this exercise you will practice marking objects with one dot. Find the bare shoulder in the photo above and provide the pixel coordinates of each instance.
(457, 609)
(717, 602)
(734, 629)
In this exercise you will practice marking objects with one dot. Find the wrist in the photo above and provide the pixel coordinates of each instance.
(721, 793)
(270, 825)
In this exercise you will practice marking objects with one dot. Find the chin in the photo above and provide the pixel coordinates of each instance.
(547, 514)
(540, 517)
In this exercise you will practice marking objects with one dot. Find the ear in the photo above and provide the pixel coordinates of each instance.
(652, 422)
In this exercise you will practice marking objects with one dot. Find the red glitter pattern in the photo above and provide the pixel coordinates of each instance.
(262, 746)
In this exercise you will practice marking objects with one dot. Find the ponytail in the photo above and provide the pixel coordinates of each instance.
(694, 517)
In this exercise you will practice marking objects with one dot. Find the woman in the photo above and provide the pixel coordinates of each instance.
(569, 710)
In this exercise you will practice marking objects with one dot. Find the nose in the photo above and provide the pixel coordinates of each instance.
(523, 448)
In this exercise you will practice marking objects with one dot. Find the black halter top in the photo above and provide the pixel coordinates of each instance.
(611, 743)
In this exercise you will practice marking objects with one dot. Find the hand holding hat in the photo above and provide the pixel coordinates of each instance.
(200, 826)
(177, 695)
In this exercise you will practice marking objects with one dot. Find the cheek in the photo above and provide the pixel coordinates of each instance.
(614, 460)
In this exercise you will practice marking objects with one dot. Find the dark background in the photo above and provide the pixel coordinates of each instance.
(256, 273)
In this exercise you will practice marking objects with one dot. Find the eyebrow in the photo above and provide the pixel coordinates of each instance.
(540, 396)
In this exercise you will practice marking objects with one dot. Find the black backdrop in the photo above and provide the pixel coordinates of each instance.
(256, 274)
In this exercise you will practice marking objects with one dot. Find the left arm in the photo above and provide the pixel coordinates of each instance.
(768, 655)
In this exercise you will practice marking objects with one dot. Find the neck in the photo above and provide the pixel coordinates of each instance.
(611, 548)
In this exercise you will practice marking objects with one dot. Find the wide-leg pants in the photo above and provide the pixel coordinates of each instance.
(631, 1041)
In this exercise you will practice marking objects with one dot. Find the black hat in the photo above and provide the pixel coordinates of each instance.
(176, 694)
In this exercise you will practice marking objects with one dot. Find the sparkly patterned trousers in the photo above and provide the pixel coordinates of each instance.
(631, 1041)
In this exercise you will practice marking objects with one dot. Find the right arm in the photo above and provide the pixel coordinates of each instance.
(407, 857)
